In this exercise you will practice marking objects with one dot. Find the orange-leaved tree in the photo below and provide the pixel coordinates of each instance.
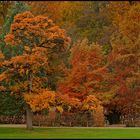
(124, 61)
(84, 79)
(25, 75)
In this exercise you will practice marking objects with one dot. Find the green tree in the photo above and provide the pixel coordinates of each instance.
(4, 6)
(6, 98)
(18, 7)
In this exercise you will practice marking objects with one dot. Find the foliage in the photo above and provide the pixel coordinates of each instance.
(83, 81)
(124, 60)
(42, 66)
(41, 101)
(81, 19)
(18, 7)
(10, 105)
(4, 6)
(10, 9)
(38, 37)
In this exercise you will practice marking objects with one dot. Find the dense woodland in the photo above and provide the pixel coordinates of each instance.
(74, 56)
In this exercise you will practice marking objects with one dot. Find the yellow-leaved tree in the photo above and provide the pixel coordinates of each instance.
(26, 75)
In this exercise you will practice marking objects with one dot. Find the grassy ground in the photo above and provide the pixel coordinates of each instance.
(80, 133)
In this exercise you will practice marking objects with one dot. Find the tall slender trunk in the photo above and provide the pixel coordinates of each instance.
(29, 113)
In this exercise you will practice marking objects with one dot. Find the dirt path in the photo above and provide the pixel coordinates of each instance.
(24, 126)
(13, 125)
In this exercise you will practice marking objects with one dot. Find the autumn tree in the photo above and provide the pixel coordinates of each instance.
(83, 81)
(26, 75)
(124, 60)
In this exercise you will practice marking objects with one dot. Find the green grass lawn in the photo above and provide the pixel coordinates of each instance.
(81, 133)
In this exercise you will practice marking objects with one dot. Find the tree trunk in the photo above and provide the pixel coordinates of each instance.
(29, 115)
